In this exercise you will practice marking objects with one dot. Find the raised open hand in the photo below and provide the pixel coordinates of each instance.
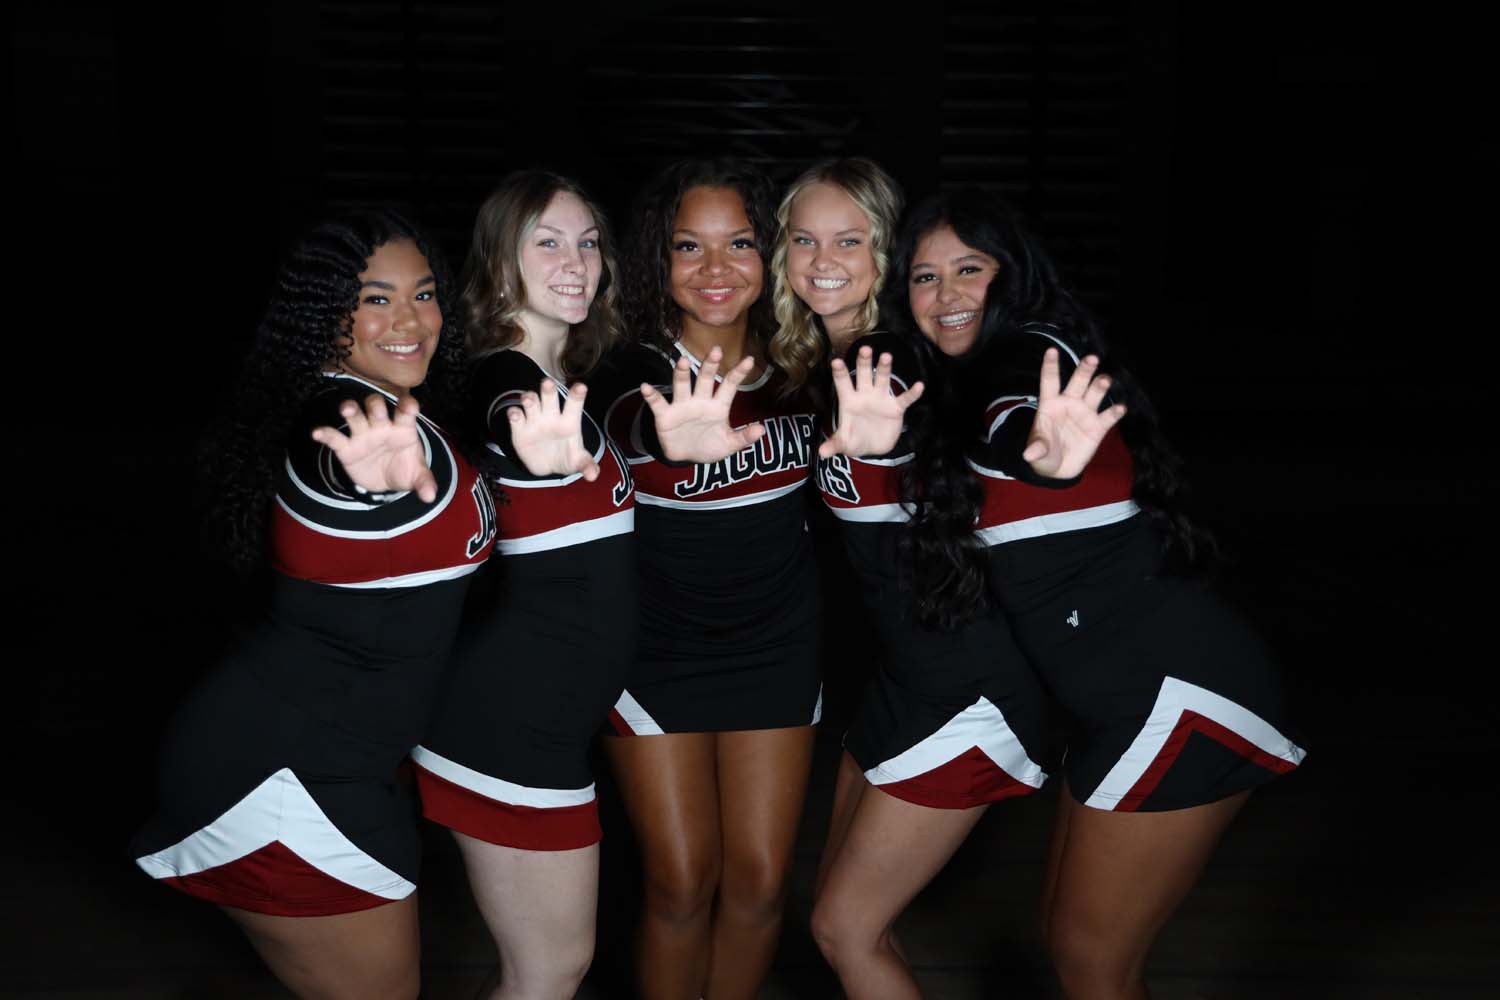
(694, 426)
(870, 415)
(549, 440)
(1069, 425)
(381, 454)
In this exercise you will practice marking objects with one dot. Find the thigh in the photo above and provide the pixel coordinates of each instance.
(539, 905)
(892, 849)
(1118, 876)
(372, 953)
(670, 789)
(849, 787)
(762, 783)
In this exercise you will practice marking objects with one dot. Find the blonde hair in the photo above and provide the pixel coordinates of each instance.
(493, 287)
(877, 195)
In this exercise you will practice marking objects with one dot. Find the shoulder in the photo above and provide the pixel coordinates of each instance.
(321, 409)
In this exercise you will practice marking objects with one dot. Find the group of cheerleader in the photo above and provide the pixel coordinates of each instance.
(634, 430)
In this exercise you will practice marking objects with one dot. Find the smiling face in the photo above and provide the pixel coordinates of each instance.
(828, 261)
(394, 330)
(560, 264)
(716, 267)
(949, 280)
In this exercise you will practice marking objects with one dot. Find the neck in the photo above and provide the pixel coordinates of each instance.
(544, 343)
(730, 340)
(841, 330)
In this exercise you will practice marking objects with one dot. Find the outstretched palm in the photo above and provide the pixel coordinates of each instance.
(549, 440)
(1069, 425)
(380, 453)
(694, 425)
(870, 415)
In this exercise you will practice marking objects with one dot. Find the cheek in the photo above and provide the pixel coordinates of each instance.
(754, 274)
(365, 325)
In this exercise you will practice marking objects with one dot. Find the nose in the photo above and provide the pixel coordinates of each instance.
(573, 261)
(947, 294)
(821, 260)
(713, 262)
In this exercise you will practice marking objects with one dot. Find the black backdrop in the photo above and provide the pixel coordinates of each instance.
(1284, 217)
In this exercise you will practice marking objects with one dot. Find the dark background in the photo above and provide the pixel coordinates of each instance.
(1285, 217)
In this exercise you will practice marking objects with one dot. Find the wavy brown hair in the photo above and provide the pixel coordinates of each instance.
(495, 291)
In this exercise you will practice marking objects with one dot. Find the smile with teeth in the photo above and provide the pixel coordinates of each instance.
(959, 319)
(568, 289)
(715, 294)
(399, 348)
(829, 284)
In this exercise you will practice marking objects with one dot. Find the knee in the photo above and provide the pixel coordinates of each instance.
(754, 888)
(839, 934)
(683, 891)
(1089, 960)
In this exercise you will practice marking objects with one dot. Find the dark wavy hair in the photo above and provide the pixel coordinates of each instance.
(651, 316)
(494, 290)
(947, 561)
(306, 330)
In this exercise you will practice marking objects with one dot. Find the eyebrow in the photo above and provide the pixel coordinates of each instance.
(980, 258)
(590, 229)
(689, 232)
(387, 286)
(841, 232)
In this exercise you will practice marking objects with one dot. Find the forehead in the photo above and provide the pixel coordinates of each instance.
(942, 246)
(711, 209)
(821, 205)
(567, 212)
(397, 257)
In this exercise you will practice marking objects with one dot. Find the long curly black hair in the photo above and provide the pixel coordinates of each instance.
(946, 560)
(306, 331)
(651, 316)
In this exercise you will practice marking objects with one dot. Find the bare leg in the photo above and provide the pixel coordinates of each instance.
(893, 848)
(670, 791)
(372, 954)
(849, 786)
(540, 908)
(762, 782)
(1119, 878)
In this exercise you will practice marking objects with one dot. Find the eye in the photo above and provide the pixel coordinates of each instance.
(802, 241)
(970, 269)
(588, 244)
(376, 300)
(849, 241)
(426, 295)
(922, 279)
(685, 246)
(742, 243)
(549, 243)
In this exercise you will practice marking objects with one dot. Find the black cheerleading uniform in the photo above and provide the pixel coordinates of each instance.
(1171, 701)
(277, 780)
(727, 582)
(950, 719)
(506, 759)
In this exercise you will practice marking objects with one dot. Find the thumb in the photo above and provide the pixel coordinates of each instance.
(1035, 450)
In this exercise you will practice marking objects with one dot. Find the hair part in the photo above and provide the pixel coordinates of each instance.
(494, 287)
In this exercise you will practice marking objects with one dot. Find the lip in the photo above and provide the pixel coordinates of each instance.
(830, 284)
(571, 291)
(402, 350)
(715, 294)
(956, 320)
